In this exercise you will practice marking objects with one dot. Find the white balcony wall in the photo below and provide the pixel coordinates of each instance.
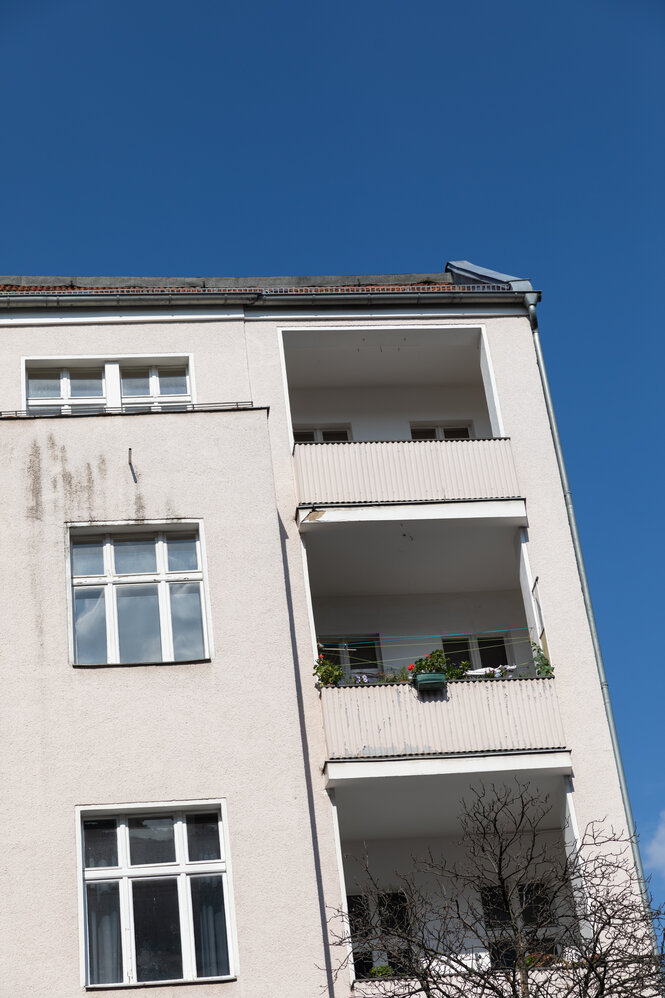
(409, 471)
(386, 413)
(396, 617)
(472, 716)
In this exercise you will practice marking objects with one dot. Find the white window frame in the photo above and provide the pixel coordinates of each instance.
(162, 578)
(112, 398)
(441, 426)
(183, 869)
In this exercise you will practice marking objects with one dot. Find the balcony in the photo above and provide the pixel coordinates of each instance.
(405, 471)
(470, 717)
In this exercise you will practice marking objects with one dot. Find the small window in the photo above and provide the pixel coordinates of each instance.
(66, 390)
(156, 895)
(441, 431)
(138, 598)
(321, 434)
(154, 387)
(356, 655)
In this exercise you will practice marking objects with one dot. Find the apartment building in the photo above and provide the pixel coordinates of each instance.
(207, 484)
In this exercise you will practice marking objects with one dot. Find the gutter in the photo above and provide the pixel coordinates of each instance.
(530, 300)
(58, 300)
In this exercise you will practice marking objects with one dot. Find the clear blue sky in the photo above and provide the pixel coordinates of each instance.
(211, 138)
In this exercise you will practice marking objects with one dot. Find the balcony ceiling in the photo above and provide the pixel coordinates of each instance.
(420, 806)
(345, 357)
(424, 556)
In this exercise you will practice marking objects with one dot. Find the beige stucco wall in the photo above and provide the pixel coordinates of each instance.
(115, 735)
(226, 728)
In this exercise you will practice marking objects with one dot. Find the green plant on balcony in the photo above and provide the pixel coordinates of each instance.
(382, 970)
(327, 672)
(543, 666)
(436, 662)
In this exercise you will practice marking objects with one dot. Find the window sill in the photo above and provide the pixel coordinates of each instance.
(134, 665)
(158, 984)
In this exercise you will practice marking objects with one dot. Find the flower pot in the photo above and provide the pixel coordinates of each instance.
(429, 681)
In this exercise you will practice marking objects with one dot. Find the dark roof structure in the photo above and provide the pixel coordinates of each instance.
(458, 277)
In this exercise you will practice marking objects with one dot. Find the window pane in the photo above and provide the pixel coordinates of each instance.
(135, 555)
(492, 652)
(203, 837)
(86, 384)
(495, 906)
(212, 951)
(157, 930)
(303, 436)
(456, 650)
(151, 840)
(90, 626)
(136, 382)
(456, 433)
(186, 620)
(101, 842)
(138, 624)
(44, 384)
(364, 655)
(88, 557)
(330, 436)
(172, 380)
(423, 433)
(182, 554)
(104, 946)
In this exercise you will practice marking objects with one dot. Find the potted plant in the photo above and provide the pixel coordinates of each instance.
(432, 672)
(327, 672)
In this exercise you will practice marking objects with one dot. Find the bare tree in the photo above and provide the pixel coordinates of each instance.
(524, 913)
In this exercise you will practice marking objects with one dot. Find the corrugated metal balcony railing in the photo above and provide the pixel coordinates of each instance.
(405, 471)
(482, 716)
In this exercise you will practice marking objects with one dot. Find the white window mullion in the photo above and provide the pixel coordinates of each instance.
(128, 934)
(186, 928)
(168, 653)
(112, 385)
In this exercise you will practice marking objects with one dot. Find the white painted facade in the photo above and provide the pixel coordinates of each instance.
(242, 725)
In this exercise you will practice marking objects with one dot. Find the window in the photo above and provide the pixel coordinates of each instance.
(441, 431)
(138, 597)
(521, 915)
(155, 894)
(380, 927)
(321, 434)
(85, 387)
(361, 654)
(483, 652)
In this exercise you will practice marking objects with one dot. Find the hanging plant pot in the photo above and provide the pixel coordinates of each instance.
(429, 681)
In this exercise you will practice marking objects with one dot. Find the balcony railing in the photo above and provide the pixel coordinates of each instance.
(482, 716)
(405, 471)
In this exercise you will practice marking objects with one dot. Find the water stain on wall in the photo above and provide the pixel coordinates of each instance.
(35, 506)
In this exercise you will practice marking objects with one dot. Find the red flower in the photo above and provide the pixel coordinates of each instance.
(411, 667)
(426, 656)
(320, 657)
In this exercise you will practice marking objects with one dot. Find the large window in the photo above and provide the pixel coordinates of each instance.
(138, 597)
(156, 894)
(92, 386)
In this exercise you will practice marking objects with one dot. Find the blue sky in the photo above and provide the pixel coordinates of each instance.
(212, 138)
